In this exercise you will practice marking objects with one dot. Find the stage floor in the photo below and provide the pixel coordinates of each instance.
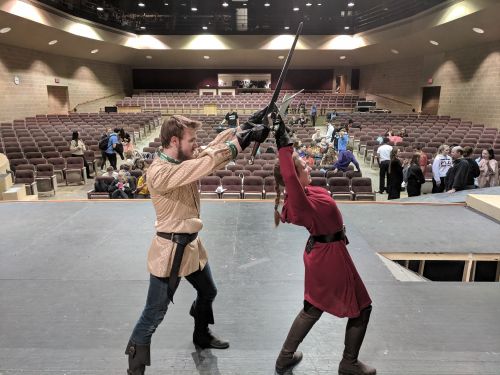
(73, 282)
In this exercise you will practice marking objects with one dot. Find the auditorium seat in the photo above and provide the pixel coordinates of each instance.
(26, 177)
(319, 181)
(208, 186)
(339, 188)
(362, 189)
(223, 172)
(46, 180)
(253, 187)
(75, 171)
(232, 187)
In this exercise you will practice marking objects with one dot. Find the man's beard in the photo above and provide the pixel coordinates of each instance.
(181, 156)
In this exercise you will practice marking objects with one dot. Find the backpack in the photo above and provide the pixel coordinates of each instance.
(103, 143)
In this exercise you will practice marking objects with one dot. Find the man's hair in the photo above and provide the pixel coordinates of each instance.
(458, 149)
(349, 148)
(174, 127)
(467, 151)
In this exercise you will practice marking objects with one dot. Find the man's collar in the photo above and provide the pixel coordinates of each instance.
(165, 157)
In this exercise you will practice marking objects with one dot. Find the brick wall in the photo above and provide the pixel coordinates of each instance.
(87, 81)
(469, 80)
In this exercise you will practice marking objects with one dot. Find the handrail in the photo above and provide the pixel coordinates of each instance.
(95, 100)
(394, 100)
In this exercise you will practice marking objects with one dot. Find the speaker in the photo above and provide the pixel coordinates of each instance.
(110, 109)
(355, 79)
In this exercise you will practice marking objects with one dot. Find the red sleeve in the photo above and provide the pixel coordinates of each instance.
(299, 206)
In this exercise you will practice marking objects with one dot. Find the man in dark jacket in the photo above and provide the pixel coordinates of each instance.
(456, 178)
(474, 171)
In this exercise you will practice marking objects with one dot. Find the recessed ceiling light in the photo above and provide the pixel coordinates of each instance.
(141, 5)
(395, 51)
(143, 27)
(94, 51)
(434, 42)
(478, 30)
(308, 4)
(281, 57)
(350, 4)
(244, 4)
(287, 27)
(342, 57)
(206, 57)
(225, 4)
(166, 4)
(346, 27)
(319, 4)
(267, 4)
(149, 57)
(100, 9)
(204, 27)
(296, 9)
(52, 42)
(5, 30)
(194, 9)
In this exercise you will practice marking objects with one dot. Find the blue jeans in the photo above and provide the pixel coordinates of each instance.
(157, 304)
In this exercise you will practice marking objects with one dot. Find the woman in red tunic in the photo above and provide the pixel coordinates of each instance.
(332, 283)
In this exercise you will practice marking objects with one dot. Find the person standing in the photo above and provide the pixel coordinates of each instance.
(314, 113)
(343, 140)
(488, 167)
(332, 283)
(110, 150)
(474, 171)
(415, 177)
(176, 250)
(457, 176)
(383, 158)
(77, 148)
(232, 119)
(394, 175)
(440, 166)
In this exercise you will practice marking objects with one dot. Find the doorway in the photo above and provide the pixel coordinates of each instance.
(58, 100)
(430, 100)
(340, 84)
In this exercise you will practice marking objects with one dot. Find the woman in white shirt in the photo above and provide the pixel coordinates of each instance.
(77, 148)
(442, 162)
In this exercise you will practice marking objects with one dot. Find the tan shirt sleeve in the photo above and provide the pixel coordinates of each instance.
(210, 159)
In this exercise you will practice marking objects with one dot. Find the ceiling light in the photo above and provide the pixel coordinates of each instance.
(149, 57)
(244, 4)
(204, 27)
(94, 51)
(308, 4)
(296, 9)
(478, 30)
(319, 4)
(142, 5)
(281, 57)
(350, 4)
(287, 27)
(166, 4)
(342, 57)
(395, 51)
(434, 42)
(5, 30)
(346, 27)
(52, 42)
(225, 4)
(143, 27)
(206, 57)
(100, 9)
(267, 4)
(194, 9)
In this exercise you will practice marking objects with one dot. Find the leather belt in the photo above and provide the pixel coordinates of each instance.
(326, 238)
(182, 240)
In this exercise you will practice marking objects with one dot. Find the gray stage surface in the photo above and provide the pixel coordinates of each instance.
(73, 282)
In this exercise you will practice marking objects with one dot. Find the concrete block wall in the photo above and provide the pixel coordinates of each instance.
(86, 80)
(469, 79)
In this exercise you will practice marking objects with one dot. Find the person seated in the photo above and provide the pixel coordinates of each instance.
(139, 164)
(302, 120)
(121, 188)
(345, 158)
(394, 138)
(329, 158)
(317, 136)
(293, 121)
(110, 172)
(142, 191)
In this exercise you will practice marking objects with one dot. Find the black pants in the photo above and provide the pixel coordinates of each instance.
(384, 170)
(157, 304)
(313, 120)
(437, 188)
(112, 159)
(87, 168)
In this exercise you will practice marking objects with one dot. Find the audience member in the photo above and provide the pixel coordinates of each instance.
(343, 139)
(394, 175)
(330, 132)
(383, 158)
(142, 191)
(456, 178)
(488, 167)
(317, 136)
(314, 112)
(473, 168)
(109, 152)
(302, 120)
(394, 138)
(424, 160)
(121, 188)
(415, 177)
(128, 146)
(329, 158)
(345, 158)
(442, 163)
(232, 119)
(77, 148)
(110, 172)
(118, 146)
(139, 164)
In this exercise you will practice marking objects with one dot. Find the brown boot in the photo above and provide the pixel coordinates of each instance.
(289, 356)
(354, 335)
(138, 358)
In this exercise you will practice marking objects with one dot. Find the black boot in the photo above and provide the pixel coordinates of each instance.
(138, 358)
(202, 336)
(289, 356)
(354, 335)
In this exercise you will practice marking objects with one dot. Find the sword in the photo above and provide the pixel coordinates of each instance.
(274, 99)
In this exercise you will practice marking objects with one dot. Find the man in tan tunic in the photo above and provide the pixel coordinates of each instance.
(172, 182)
